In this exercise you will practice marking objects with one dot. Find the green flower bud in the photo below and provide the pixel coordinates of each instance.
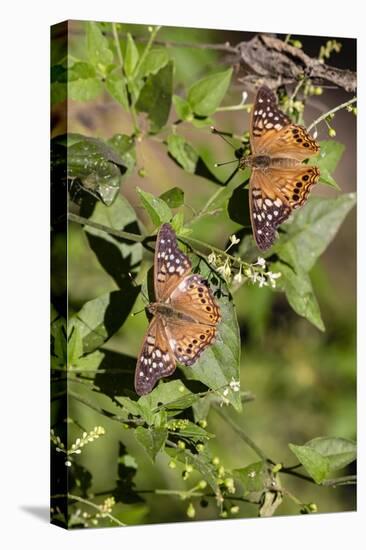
(216, 460)
(234, 510)
(172, 464)
(181, 444)
(331, 132)
(191, 512)
(202, 484)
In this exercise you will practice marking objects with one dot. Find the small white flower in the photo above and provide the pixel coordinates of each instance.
(238, 277)
(212, 258)
(262, 281)
(225, 392)
(235, 385)
(272, 278)
(234, 239)
(261, 262)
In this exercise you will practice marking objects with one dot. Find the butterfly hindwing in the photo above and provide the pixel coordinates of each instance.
(155, 360)
(171, 265)
(267, 209)
(188, 341)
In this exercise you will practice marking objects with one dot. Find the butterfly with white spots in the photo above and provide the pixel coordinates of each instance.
(185, 315)
(279, 180)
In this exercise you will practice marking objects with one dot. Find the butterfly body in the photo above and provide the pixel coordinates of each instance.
(279, 182)
(185, 315)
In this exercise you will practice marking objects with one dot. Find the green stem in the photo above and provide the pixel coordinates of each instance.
(122, 234)
(238, 107)
(120, 59)
(107, 414)
(92, 505)
(214, 249)
(118, 46)
(345, 480)
(153, 34)
(334, 110)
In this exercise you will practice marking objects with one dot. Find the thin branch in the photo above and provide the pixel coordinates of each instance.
(345, 480)
(103, 412)
(92, 505)
(243, 435)
(116, 232)
(334, 110)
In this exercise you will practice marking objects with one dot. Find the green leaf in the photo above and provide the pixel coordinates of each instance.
(174, 197)
(304, 240)
(116, 86)
(100, 318)
(151, 439)
(156, 97)
(74, 345)
(157, 209)
(313, 228)
(90, 362)
(206, 95)
(182, 108)
(299, 292)
(182, 152)
(59, 340)
(166, 394)
(153, 62)
(190, 430)
(327, 160)
(98, 167)
(203, 464)
(78, 82)
(220, 363)
(131, 56)
(119, 257)
(98, 50)
(339, 451)
(124, 145)
(315, 464)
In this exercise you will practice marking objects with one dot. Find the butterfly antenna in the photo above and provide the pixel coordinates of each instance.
(137, 312)
(222, 134)
(217, 164)
(142, 292)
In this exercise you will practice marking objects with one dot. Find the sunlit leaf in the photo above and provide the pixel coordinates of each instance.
(174, 197)
(206, 95)
(157, 209)
(317, 465)
(152, 439)
(131, 56)
(98, 49)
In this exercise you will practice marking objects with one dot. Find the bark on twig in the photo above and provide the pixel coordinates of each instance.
(268, 60)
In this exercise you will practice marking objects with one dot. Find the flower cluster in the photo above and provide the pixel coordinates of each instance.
(256, 273)
(78, 444)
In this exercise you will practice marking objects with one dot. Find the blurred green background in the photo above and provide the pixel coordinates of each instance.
(304, 381)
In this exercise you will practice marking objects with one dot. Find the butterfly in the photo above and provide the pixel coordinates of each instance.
(279, 181)
(184, 317)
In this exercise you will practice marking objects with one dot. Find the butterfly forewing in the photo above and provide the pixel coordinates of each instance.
(170, 265)
(267, 119)
(194, 298)
(155, 360)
